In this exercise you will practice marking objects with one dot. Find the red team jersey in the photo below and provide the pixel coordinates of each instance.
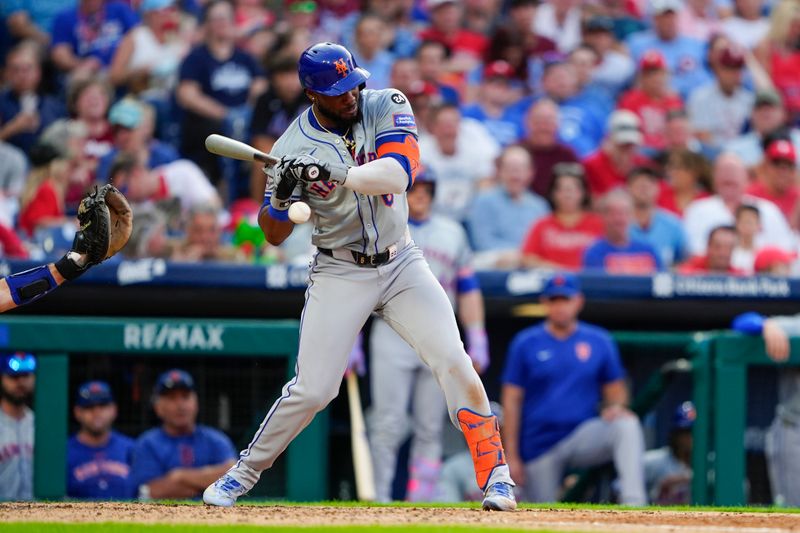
(785, 202)
(554, 242)
(45, 204)
(652, 112)
(601, 174)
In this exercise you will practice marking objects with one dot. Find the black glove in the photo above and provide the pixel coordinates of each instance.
(283, 190)
(310, 169)
(106, 222)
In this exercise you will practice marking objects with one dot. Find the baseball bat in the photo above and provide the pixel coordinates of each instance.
(362, 458)
(227, 147)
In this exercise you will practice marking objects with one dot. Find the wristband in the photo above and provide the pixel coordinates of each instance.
(278, 214)
(68, 269)
(478, 346)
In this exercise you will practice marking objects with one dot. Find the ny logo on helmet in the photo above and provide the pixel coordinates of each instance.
(341, 67)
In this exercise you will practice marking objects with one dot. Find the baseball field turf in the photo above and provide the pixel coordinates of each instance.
(273, 517)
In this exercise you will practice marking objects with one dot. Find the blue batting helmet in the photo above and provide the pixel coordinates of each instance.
(329, 69)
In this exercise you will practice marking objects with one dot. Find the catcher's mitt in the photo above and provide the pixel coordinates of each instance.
(106, 223)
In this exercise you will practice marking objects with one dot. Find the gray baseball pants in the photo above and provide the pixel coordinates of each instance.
(340, 297)
(592, 443)
(400, 379)
(782, 449)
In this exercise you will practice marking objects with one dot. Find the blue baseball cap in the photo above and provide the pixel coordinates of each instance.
(684, 416)
(18, 363)
(127, 113)
(174, 379)
(94, 393)
(562, 285)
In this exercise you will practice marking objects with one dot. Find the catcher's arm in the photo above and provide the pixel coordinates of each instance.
(106, 221)
(6, 298)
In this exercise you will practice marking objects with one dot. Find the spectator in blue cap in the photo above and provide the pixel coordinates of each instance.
(98, 458)
(565, 401)
(668, 470)
(17, 382)
(180, 458)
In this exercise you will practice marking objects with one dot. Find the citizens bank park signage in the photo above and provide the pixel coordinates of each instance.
(661, 286)
(667, 285)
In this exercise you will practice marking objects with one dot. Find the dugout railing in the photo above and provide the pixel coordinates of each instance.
(721, 362)
(53, 338)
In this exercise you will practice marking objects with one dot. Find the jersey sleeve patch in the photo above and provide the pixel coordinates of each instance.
(404, 120)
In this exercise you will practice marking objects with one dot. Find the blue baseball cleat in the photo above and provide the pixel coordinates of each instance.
(223, 492)
(499, 497)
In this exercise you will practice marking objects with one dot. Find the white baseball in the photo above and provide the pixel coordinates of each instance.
(299, 212)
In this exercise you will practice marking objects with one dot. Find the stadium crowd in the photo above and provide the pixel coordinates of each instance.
(629, 136)
(530, 113)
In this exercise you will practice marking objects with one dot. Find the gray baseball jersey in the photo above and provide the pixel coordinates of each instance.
(343, 218)
(445, 246)
(400, 378)
(783, 437)
(16, 457)
(341, 294)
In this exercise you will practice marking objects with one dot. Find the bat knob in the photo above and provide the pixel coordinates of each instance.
(312, 172)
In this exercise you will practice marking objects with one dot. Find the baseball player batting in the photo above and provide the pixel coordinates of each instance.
(399, 378)
(106, 222)
(351, 156)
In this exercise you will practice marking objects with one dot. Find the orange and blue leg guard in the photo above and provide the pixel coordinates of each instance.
(482, 434)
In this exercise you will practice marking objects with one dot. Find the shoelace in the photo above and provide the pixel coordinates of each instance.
(230, 484)
(502, 489)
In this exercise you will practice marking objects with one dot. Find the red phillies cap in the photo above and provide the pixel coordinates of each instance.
(732, 57)
(781, 150)
(422, 88)
(770, 256)
(652, 60)
(498, 69)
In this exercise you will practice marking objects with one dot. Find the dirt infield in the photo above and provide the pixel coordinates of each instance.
(558, 519)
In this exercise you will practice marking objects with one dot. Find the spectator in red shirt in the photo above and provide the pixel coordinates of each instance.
(10, 244)
(717, 260)
(542, 142)
(652, 99)
(468, 48)
(777, 179)
(560, 239)
(42, 199)
(779, 53)
(774, 261)
(608, 167)
(688, 178)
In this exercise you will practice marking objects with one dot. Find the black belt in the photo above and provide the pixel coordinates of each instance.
(363, 259)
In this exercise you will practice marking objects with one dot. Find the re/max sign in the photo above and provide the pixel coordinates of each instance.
(152, 336)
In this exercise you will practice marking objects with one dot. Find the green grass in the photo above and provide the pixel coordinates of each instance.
(37, 527)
